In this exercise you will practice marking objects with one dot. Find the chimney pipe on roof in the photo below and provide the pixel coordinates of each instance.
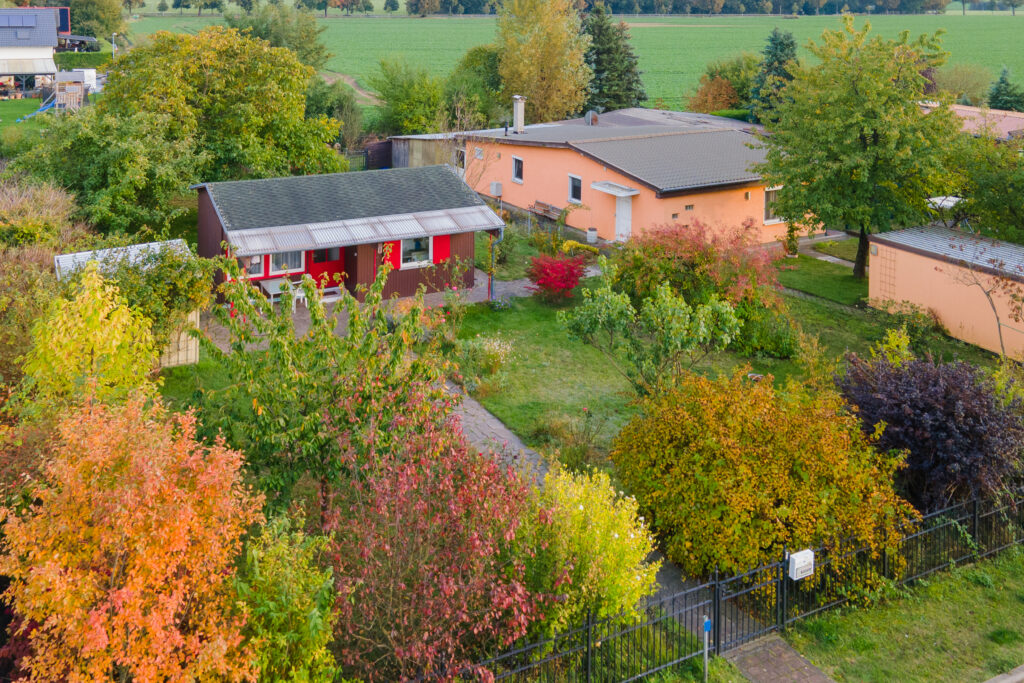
(518, 114)
(590, 118)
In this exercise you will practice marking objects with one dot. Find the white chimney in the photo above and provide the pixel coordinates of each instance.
(518, 114)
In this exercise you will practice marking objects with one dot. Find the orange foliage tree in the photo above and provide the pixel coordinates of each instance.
(122, 567)
(714, 94)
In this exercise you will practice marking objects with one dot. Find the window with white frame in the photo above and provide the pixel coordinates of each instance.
(251, 265)
(478, 152)
(769, 211)
(517, 170)
(287, 262)
(575, 189)
(416, 252)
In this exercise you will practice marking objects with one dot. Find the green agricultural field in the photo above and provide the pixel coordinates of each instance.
(672, 50)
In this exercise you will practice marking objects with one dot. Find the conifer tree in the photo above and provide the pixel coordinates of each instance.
(1006, 95)
(616, 83)
(775, 72)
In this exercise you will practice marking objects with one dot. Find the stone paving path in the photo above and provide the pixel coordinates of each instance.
(771, 660)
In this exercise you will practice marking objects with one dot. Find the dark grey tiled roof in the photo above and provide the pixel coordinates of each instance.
(294, 200)
(952, 245)
(28, 27)
(680, 160)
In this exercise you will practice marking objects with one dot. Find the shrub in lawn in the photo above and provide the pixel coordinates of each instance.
(578, 449)
(962, 440)
(480, 361)
(422, 543)
(652, 344)
(555, 277)
(586, 547)
(730, 470)
(700, 262)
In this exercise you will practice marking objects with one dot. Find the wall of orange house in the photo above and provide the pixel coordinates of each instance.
(546, 174)
(945, 289)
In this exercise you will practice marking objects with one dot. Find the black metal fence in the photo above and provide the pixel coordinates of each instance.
(667, 633)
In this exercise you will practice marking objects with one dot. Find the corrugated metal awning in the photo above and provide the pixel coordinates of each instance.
(68, 264)
(27, 67)
(362, 231)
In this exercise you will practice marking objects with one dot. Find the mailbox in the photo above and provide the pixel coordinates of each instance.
(801, 564)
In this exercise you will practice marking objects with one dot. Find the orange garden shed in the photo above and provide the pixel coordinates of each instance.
(968, 282)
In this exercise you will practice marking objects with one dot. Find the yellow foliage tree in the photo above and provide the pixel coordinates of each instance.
(541, 50)
(93, 340)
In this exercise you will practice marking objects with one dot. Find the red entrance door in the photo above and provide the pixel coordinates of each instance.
(326, 266)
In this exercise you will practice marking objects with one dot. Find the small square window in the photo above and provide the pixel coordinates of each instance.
(517, 169)
(688, 207)
(251, 265)
(746, 195)
(416, 252)
(575, 189)
(478, 153)
(327, 255)
(675, 216)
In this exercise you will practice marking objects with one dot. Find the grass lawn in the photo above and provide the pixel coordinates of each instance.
(517, 261)
(844, 249)
(829, 280)
(673, 51)
(12, 110)
(181, 384)
(552, 377)
(967, 625)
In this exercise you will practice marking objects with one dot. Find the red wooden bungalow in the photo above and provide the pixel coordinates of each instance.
(335, 227)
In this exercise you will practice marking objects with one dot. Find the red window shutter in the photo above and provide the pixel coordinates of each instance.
(442, 248)
(395, 257)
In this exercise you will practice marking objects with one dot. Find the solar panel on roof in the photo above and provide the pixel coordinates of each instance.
(17, 21)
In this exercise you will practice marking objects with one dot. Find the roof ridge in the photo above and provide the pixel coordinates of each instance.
(653, 135)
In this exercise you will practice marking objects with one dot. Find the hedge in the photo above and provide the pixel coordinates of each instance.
(81, 60)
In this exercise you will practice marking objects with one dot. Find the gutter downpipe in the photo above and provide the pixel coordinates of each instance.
(490, 275)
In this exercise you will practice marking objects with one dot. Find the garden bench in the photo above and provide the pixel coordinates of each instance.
(546, 210)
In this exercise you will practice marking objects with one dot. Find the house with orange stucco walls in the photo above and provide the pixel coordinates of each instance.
(627, 171)
(973, 285)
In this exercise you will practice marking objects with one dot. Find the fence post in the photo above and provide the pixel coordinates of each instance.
(716, 604)
(974, 525)
(590, 628)
(780, 591)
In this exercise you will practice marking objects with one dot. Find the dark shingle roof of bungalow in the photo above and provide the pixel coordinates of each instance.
(680, 161)
(343, 209)
(956, 246)
(245, 204)
(28, 27)
(667, 151)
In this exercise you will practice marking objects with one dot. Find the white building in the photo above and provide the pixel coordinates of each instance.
(28, 38)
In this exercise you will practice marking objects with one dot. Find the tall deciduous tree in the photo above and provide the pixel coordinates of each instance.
(851, 147)
(92, 342)
(281, 399)
(99, 18)
(412, 97)
(285, 26)
(775, 72)
(1006, 95)
(125, 171)
(121, 568)
(243, 101)
(542, 56)
(616, 80)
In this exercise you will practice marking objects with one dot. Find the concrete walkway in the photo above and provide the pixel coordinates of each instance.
(1015, 676)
